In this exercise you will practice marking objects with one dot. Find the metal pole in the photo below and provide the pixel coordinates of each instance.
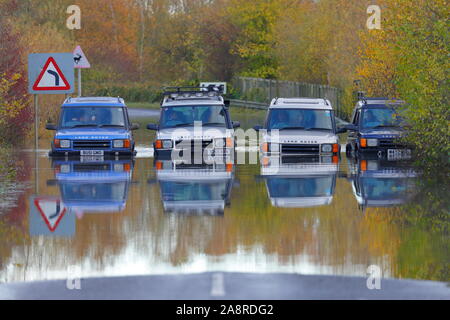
(79, 82)
(36, 122)
(36, 142)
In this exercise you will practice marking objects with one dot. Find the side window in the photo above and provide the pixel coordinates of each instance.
(354, 116)
(357, 116)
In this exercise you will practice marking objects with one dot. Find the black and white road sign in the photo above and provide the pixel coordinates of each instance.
(79, 59)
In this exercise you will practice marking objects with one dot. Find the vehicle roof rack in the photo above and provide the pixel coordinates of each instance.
(210, 91)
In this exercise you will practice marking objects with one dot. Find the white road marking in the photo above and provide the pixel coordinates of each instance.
(218, 285)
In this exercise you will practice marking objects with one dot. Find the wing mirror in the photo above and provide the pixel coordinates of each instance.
(257, 127)
(351, 127)
(236, 124)
(341, 130)
(50, 126)
(152, 126)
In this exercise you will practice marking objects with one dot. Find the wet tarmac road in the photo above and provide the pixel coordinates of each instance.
(104, 218)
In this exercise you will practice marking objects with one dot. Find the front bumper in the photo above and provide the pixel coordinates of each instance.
(77, 153)
(167, 153)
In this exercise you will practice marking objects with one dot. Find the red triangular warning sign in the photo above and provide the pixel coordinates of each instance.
(52, 211)
(51, 78)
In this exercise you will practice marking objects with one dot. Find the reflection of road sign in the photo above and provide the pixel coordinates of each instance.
(217, 84)
(50, 220)
(79, 59)
(51, 78)
(52, 210)
(50, 73)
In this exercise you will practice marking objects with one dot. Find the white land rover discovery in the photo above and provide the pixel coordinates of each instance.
(194, 121)
(300, 127)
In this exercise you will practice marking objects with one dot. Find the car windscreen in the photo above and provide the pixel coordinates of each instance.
(85, 192)
(305, 119)
(183, 116)
(380, 118)
(300, 187)
(74, 117)
(193, 191)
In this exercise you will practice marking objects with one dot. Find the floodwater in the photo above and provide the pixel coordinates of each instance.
(139, 217)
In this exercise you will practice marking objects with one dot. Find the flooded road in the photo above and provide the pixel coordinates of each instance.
(146, 217)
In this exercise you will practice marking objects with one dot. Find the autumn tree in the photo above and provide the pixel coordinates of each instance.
(256, 41)
(408, 59)
(15, 114)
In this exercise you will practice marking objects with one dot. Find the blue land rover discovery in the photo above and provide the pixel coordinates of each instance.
(376, 129)
(93, 126)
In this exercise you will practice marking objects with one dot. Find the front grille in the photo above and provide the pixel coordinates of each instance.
(183, 144)
(296, 159)
(91, 167)
(195, 166)
(300, 148)
(91, 144)
(389, 143)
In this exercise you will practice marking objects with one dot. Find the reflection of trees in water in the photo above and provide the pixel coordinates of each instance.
(15, 170)
(337, 237)
(428, 218)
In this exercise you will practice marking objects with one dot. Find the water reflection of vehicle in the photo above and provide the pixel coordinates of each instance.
(381, 183)
(95, 187)
(299, 182)
(194, 189)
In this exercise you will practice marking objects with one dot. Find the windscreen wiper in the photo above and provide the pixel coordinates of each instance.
(291, 128)
(387, 126)
(84, 125)
(183, 125)
(325, 129)
(214, 124)
(111, 126)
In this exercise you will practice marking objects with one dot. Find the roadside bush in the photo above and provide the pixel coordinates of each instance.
(413, 65)
(15, 115)
(131, 93)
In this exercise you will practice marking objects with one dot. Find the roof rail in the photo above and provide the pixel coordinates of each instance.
(211, 90)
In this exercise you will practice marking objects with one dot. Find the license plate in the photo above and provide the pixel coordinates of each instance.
(399, 154)
(92, 159)
(91, 152)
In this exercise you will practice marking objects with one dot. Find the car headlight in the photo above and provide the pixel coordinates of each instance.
(274, 147)
(163, 144)
(372, 142)
(121, 143)
(64, 143)
(167, 144)
(327, 148)
(372, 165)
(118, 167)
(219, 143)
(65, 168)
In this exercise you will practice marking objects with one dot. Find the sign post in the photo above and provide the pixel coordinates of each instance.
(80, 62)
(48, 73)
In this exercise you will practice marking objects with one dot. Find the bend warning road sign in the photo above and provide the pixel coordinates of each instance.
(52, 210)
(50, 73)
(49, 216)
(79, 59)
(51, 78)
